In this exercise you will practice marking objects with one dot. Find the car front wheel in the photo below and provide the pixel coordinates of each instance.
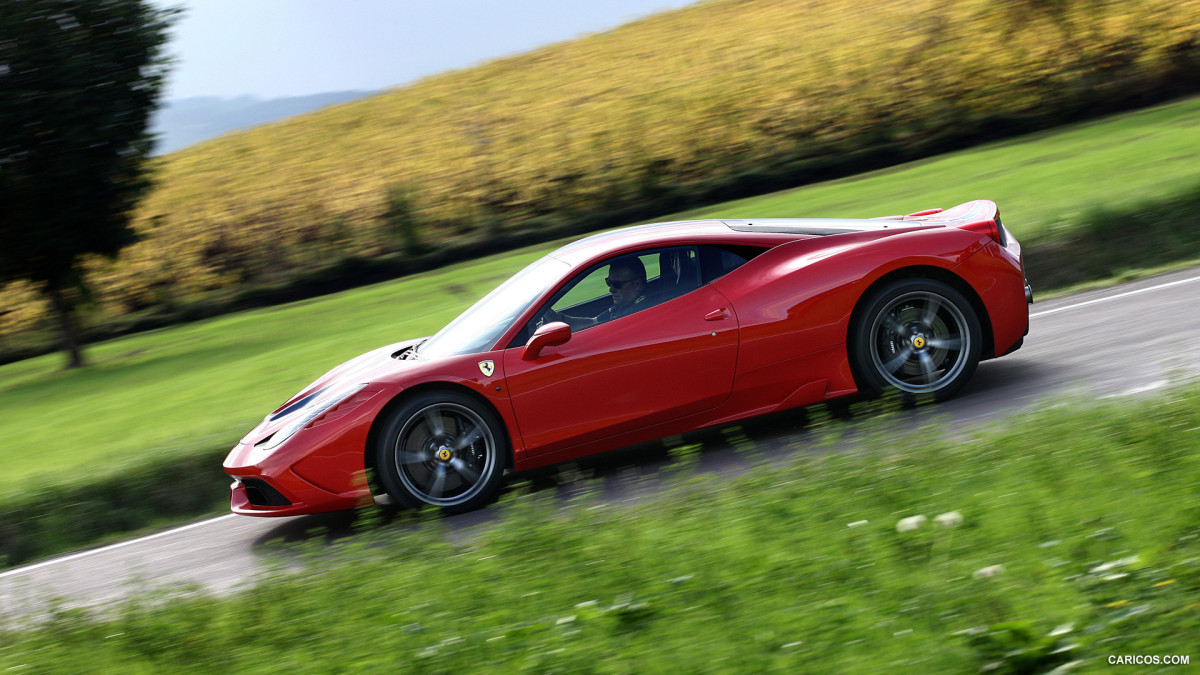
(920, 337)
(443, 449)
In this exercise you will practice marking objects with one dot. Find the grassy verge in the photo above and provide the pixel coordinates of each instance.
(1087, 201)
(1116, 241)
(161, 491)
(1063, 539)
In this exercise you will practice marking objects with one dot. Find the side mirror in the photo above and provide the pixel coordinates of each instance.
(550, 335)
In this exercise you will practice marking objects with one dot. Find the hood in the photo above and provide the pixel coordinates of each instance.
(361, 369)
(338, 384)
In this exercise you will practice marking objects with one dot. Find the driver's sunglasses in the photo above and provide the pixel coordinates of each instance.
(618, 285)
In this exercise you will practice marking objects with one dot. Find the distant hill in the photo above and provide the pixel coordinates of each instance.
(187, 121)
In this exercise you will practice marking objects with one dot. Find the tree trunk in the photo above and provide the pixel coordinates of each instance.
(69, 339)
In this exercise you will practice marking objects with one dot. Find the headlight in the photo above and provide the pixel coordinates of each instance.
(313, 409)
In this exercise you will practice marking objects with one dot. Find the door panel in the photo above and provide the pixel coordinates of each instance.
(659, 364)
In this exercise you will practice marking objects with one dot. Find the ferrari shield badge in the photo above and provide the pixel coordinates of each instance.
(487, 368)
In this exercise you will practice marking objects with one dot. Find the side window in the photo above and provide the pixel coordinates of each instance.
(717, 261)
(620, 286)
(580, 293)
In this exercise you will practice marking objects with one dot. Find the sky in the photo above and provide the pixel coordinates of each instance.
(276, 48)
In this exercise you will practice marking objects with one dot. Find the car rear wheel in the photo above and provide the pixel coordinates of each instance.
(442, 449)
(919, 337)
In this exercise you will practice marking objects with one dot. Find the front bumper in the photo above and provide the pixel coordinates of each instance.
(287, 483)
(286, 494)
(319, 469)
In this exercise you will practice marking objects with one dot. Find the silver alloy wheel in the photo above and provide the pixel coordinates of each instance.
(444, 454)
(920, 342)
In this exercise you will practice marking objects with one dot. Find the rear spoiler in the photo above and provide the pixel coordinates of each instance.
(981, 216)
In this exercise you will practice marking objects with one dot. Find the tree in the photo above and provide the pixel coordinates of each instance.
(79, 80)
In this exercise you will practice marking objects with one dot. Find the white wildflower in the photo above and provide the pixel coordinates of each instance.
(949, 519)
(989, 572)
(910, 523)
(1120, 562)
(858, 523)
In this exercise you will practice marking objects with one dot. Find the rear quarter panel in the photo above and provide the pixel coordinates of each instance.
(997, 276)
(798, 298)
(794, 304)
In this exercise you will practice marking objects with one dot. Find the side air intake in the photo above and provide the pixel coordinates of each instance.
(260, 493)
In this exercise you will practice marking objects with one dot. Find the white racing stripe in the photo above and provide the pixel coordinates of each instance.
(1114, 297)
(84, 554)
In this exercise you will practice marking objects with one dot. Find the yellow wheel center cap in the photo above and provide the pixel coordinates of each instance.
(919, 342)
(443, 454)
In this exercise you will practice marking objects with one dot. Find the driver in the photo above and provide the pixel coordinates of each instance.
(626, 284)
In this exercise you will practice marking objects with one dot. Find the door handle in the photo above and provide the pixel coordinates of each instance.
(716, 315)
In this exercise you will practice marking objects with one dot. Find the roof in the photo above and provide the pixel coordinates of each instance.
(754, 232)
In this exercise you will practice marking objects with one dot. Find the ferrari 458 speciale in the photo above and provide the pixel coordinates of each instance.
(642, 333)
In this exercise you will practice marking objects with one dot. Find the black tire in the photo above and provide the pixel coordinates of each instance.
(446, 434)
(919, 337)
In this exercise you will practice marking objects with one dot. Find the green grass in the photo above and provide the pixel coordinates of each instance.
(1079, 538)
(197, 388)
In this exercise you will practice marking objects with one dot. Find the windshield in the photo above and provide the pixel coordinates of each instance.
(478, 328)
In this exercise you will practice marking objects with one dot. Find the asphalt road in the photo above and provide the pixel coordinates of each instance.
(1123, 341)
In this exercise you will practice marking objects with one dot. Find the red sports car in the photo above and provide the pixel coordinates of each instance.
(642, 333)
